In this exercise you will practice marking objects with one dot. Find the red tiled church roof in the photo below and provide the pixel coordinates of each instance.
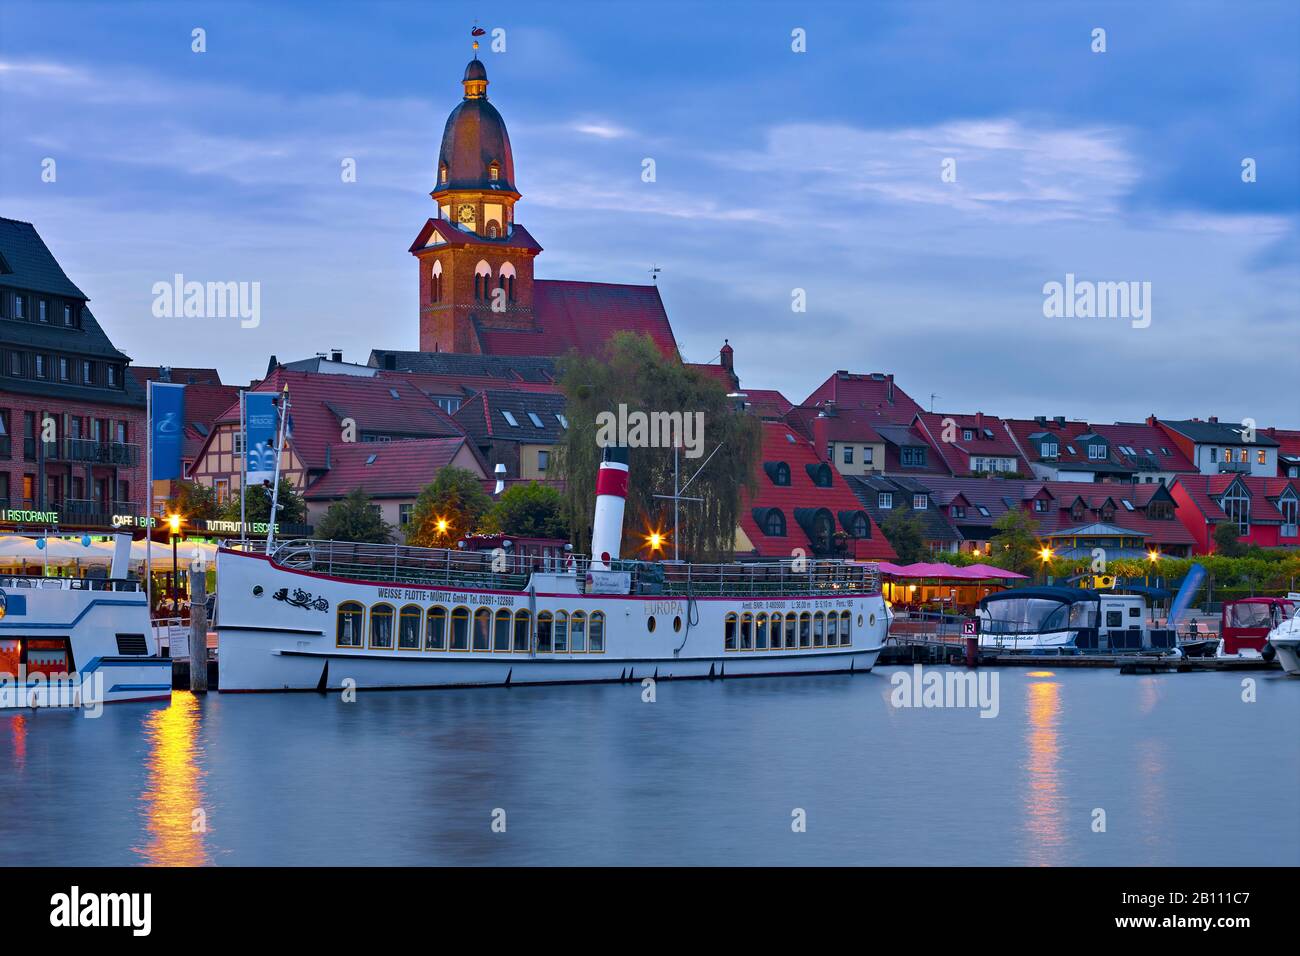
(583, 316)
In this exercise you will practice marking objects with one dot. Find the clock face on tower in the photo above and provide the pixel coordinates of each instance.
(465, 213)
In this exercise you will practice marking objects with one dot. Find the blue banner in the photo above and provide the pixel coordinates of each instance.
(1191, 584)
(167, 427)
(261, 422)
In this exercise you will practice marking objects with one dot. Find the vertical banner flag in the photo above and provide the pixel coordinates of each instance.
(259, 436)
(166, 428)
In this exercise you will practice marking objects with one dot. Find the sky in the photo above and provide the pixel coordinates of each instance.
(775, 171)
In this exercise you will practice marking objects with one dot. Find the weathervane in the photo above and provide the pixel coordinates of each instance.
(477, 32)
(654, 274)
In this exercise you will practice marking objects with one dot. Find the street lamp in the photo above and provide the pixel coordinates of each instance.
(1153, 556)
(1045, 554)
(174, 524)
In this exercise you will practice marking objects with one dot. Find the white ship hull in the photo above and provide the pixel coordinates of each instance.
(77, 646)
(279, 629)
(1285, 639)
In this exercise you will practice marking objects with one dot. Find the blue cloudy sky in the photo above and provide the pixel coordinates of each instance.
(776, 170)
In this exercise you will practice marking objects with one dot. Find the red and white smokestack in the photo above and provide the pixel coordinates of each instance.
(611, 495)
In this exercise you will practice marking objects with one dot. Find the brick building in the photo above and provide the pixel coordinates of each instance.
(72, 416)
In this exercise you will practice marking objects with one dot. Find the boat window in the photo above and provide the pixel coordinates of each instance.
(482, 629)
(846, 635)
(578, 632)
(776, 632)
(1249, 615)
(832, 629)
(1114, 618)
(501, 632)
(760, 633)
(460, 629)
(819, 629)
(596, 632)
(381, 626)
(561, 632)
(729, 632)
(805, 629)
(1083, 614)
(746, 631)
(408, 628)
(521, 631)
(349, 624)
(544, 632)
(791, 630)
(1033, 615)
(435, 636)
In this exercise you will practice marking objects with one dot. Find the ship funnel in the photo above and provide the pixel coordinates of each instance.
(611, 494)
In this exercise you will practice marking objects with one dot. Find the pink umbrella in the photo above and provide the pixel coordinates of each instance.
(988, 571)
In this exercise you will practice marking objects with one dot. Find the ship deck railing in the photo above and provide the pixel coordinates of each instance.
(501, 570)
(33, 583)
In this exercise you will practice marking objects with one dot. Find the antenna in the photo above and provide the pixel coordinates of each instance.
(932, 398)
(654, 274)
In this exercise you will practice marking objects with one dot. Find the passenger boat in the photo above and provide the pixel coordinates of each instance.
(1246, 623)
(1068, 620)
(77, 642)
(317, 615)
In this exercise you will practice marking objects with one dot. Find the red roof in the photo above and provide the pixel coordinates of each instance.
(204, 406)
(397, 469)
(1205, 490)
(989, 438)
(715, 372)
(873, 390)
(583, 316)
(452, 235)
(782, 444)
(320, 403)
(1147, 441)
(766, 402)
(178, 375)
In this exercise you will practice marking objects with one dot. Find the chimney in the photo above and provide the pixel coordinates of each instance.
(889, 388)
(336, 355)
(979, 423)
(1151, 419)
(1214, 419)
(1060, 421)
(1040, 421)
(727, 355)
(164, 373)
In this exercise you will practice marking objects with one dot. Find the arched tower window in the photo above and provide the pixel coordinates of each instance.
(493, 229)
(482, 280)
(507, 280)
(435, 292)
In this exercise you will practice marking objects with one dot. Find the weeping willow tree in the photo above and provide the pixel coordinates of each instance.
(634, 374)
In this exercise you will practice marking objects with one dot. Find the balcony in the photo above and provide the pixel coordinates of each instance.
(1234, 468)
(99, 514)
(90, 451)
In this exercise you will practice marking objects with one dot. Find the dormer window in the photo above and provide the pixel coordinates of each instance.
(494, 171)
(1096, 452)
(885, 500)
(1051, 449)
(967, 434)
(920, 502)
(442, 174)
(1040, 505)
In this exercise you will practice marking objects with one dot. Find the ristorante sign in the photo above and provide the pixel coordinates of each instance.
(19, 516)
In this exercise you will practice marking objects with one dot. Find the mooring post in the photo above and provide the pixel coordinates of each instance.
(972, 651)
(198, 628)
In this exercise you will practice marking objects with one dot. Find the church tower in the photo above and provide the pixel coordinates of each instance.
(475, 261)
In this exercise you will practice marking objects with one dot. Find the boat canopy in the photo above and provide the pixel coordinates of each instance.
(1039, 610)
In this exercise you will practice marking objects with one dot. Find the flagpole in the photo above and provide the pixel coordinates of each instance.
(243, 475)
(148, 515)
(275, 482)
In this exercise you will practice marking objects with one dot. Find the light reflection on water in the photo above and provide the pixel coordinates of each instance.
(708, 774)
(173, 791)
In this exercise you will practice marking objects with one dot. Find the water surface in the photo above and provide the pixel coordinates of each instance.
(710, 773)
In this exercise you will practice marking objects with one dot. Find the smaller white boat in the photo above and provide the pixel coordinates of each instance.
(77, 642)
(1285, 640)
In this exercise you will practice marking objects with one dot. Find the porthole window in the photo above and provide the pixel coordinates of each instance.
(872, 619)
(650, 624)
(677, 624)
(257, 590)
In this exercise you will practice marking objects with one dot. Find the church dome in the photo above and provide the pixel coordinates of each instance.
(475, 151)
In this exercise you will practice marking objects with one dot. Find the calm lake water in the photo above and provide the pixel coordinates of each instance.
(710, 773)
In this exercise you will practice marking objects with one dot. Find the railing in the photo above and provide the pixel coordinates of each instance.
(502, 570)
(33, 583)
(92, 451)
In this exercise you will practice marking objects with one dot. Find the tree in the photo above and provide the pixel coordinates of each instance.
(906, 535)
(633, 373)
(1015, 546)
(257, 505)
(354, 518)
(194, 502)
(1227, 541)
(452, 505)
(531, 511)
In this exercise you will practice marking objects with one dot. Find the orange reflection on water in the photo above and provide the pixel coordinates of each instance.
(1043, 805)
(18, 733)
(174, 790)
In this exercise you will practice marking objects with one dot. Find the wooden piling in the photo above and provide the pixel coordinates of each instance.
(198, 631)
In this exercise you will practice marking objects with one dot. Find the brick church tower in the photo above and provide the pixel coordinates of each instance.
(475, 261)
